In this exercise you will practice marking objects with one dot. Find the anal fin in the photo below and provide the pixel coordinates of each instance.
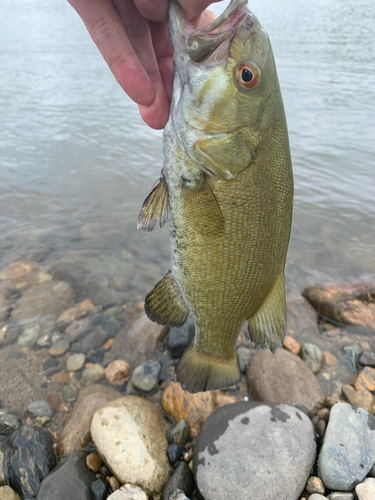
(164, 305)
(155, 208)
(267, 326)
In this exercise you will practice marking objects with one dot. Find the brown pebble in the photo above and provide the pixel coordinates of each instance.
(105, 472)
(323, 414)
(140, 306)
(292, 345)
(222, 398)
(328, 327)
(188, 455)
(365, 346)
(330, 359)
(94, 462)
(365, 379)
(113, 482)
(315, 485)
(331, 400)
(108, 344)
(320, 428)
(63, 408)
(86, 304)
(29, 421)
(363, 399)
(118, 372)
(60, 378)
(54, 400)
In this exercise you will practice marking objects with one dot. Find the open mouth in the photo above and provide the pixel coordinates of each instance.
(202, 43)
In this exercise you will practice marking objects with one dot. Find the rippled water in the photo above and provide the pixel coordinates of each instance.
(73, 148)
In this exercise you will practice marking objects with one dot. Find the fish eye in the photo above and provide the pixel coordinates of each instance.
(248, 75)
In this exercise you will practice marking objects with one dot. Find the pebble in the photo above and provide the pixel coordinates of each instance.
(94, 462)
(366, 490)
(367, 359)
(174, 452)
(180, 338)
(99, 489)
(194, 408)
(130, 435)
(340, 495)
(178, 495)
(182, 480)
(118, 372)
(244, 355)
(348, 450)
(6, 493)
(330, 358)
(28, 457)
(362, 398)
(69, 393)
(93, 374)
(40, 409)
(292, 345)
(317, 496)
(315, 485)
(278, 456)
(93, 340)
(29, 337)
(70, 480)
(146, 376)
(223, 398)
(23, 273)
(54, 400)
(128, 492)
(181, 432)
(76, 433)
(59, 347)
(9, 423)
(60, 378)
(42, 421)
(75, 362)
(283, 378)
(313, 357)
(350, 354)
(70, 315)
(365, 379)
(114, 483)
(78, 328)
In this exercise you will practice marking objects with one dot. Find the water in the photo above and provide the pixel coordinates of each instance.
(73, 148)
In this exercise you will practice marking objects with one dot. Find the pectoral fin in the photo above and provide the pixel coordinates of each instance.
(267, 326)
(204, 210)
(155, 208)
(164, 305)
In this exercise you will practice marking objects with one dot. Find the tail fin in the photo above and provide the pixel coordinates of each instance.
(199, 372)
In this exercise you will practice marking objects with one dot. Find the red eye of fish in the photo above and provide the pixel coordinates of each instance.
(248, 75)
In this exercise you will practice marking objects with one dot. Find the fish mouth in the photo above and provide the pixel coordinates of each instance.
(201, 44)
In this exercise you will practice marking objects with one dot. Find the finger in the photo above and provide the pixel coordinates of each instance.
(106, 29)
(203, 19)
(157, 113)
(164, 53)
(192, 8)
(154, 10)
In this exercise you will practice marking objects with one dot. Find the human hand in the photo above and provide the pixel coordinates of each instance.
(133, 38)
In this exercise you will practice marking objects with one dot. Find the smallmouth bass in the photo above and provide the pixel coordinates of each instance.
(226, 189)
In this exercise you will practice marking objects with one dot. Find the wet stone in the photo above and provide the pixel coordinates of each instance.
(14, 330)
(174, 452)
(367, 359)
(278, 456)
(313, 357)
(93, 340)
(40, 408)
(5, 303)
(75, 362)
(70, 315)
(182, 480)
(78, 329)
(9, 423)
(348, 450)
(350, 354)
(118, 372)
(29, 337)
(59, 347)
(146, 376)
(42, 421)
(180, 338)
(361, 398)
(93, 374)
(244, 355)
(69, 393)
(70, 480)
(28, 457)
(181, 432)
(99, 489)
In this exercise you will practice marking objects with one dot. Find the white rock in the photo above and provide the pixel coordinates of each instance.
(366, 490)
(128, 492)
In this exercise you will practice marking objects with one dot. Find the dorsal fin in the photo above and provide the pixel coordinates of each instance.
(155, 208)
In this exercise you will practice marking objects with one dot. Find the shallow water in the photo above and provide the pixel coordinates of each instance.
(73, 147)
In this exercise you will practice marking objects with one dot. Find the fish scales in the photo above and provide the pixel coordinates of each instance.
(227, 186)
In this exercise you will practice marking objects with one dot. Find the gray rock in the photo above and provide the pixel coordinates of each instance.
(69, 393)
(317, 496)
(75, 362)
(70, 480)
(100, 295)
(9, 423)
(28, 457)
(254, 451)
(76, 330)
(367, 359)
(348, 450)
(178, 495)
(146, 376)
(40, 409)
(29, 337)
(93, 340)
(13, 331)
(182, 480)
(181, 432)
(313, 357)
(340, 495)
(244, 355)
(350, 354)
(59, 347)
(366, 490)
(47, 299)
(93, 374)
(180, 338)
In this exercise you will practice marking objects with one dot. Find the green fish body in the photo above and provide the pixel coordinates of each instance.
(227, 191)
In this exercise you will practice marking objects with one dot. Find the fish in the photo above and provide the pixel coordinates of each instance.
(226, 191)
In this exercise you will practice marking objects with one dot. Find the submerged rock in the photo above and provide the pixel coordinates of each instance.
(253, 451)
(69, 481)
(8, 422)
(313, 357)
(283, 378)
(130, 435)
(348, 450)
(28, 457)
(23, 274)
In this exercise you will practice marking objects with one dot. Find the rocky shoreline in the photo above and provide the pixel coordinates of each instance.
(89, 408)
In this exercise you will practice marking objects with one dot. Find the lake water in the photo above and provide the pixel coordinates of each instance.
(73, 148)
